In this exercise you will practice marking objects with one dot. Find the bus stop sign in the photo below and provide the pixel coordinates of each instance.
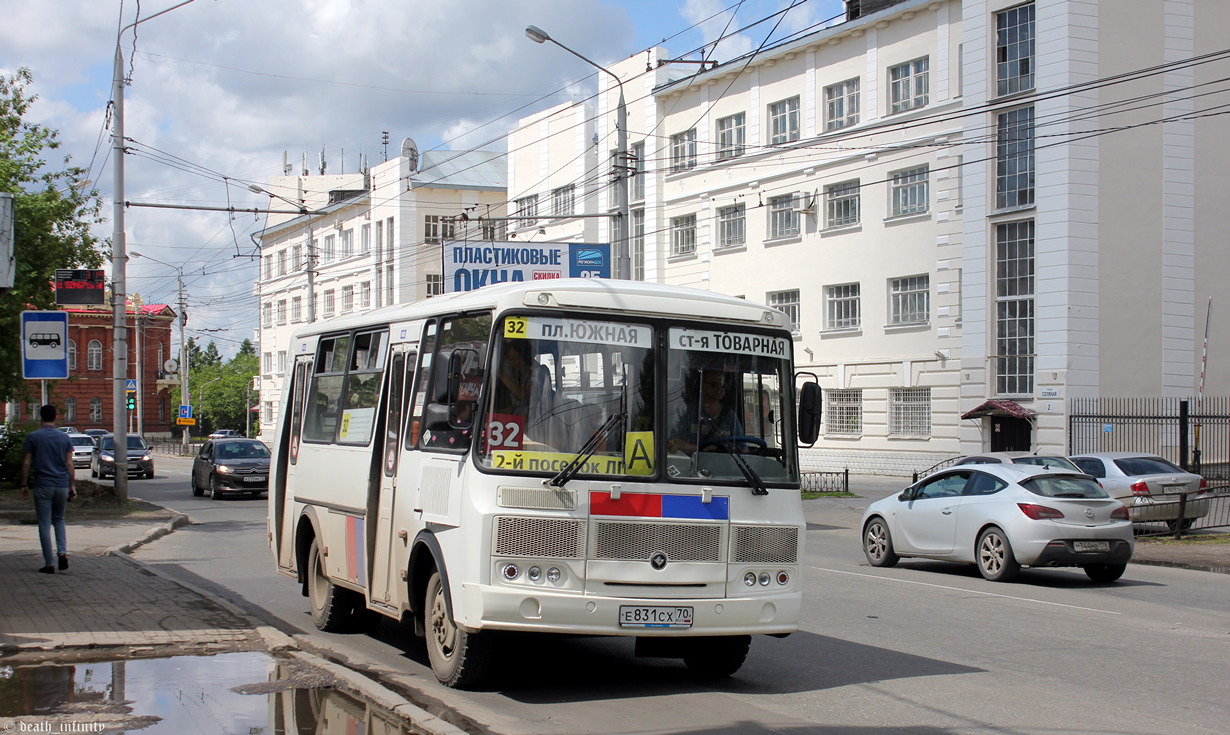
(44, 345)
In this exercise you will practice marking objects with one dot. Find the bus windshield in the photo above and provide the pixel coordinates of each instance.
(565, 387)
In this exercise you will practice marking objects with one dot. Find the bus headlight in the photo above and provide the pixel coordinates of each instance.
(749, 579)
(764, 579)
(553, 574)
(534, 573)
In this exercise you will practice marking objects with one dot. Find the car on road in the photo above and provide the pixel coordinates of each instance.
(83, 449)
(140, 460)
(231, 467)
(96, 432)
(1001, 517)
(1040, 460)
(1149, 485)
(225, 434)
(69, 430)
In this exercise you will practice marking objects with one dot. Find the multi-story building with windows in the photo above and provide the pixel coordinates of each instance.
(974, 210)
(369, 240)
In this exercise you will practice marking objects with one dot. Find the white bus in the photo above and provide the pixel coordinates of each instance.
(574, 456)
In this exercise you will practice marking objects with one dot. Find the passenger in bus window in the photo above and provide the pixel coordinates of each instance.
(515, 381)
(704, 426)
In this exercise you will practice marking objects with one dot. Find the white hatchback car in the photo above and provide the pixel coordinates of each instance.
(83, 448)
(1001, 517)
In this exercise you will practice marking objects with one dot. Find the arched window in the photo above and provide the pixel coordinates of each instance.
(94, 355)
(96, 410)
(162, 408)
(72, 355)
(70, 406)
(162, 357)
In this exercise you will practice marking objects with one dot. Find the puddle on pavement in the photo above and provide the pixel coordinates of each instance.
(225, 693)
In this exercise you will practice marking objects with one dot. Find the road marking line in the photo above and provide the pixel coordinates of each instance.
(962, 589)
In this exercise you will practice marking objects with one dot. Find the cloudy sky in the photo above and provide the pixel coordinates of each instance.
(221, 89)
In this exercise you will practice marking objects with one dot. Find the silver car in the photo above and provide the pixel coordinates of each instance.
(1041, 460)
(1149, 485)
(83, 448)
(1001, 517)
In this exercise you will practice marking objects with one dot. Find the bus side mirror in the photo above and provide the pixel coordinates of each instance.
(809, 413)
(436, 417)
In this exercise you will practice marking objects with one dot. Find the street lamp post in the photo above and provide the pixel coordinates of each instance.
(622, 262)
(183, 343)
(119, 261)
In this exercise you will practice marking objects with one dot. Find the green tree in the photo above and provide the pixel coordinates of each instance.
(53, 216)
(220, 390)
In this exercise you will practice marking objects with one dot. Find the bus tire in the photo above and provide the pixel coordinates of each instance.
(459, 658)
(333, 609)
(717, 656)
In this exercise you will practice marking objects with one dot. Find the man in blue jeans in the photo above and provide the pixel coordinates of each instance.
(48, 463)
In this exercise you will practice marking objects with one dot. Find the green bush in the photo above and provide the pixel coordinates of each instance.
(11, 442)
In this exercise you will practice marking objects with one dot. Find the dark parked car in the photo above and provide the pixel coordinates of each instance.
(140, 461)
(96, 432)
(231, 466)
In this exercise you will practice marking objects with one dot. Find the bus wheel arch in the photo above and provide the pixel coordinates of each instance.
(425, 559)
(305, 533)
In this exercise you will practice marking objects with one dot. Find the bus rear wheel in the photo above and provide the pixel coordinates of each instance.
(717, 656)
(459, 658)
(333, 609)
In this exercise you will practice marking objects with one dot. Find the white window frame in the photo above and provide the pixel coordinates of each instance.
(1014, 158)
(437, 229)
(683, 235)
(70, 409)
(347, 299)
(787, 301)
(330, 249)
(93, 355)
(683, 151)
(1015, 61)
(527, 206)
(70, 348)
(841, 104)
(843, 412)
(96, 412)
(365, 239)
(731, 136)
(909, 413)
(346, 244)
(909, 85)
(843, 307)
(435, 284)
(267, 314)
(843, 204)
(365, 295)
(732, 226)
(785, 123)
(909, 191)
(328, 303)
(280, 312)
(296, 309)
(909, 300)
(1015, 319)
(636, 244)
(783, 217)
(564, 201)
(282, 262)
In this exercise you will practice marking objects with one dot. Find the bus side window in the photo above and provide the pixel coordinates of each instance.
(324, 395)
(419, 394)
(302, 367)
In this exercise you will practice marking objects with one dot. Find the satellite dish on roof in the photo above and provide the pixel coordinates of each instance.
(410, 151)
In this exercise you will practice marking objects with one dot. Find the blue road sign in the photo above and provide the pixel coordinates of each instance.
(44, 345)
(130, 384)
(185, 412)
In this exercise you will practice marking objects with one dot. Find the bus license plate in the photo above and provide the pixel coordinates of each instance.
(254, 478)
(648, 616)
(1091, 546)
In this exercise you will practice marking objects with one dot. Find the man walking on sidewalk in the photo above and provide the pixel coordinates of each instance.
(48, 463)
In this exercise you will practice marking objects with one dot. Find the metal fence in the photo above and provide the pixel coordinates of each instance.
(826, 482)
(1199, 511)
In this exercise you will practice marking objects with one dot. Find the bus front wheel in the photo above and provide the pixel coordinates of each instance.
(717, 656)
(333, 609)
(459, 658)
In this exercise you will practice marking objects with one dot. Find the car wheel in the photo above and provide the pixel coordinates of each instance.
(334, 609)
(878, 544)
(215, 488)
(459, 658)
(197, 491)
(1174, 524)
(717, 656)
(1105, 572)
(995, 558)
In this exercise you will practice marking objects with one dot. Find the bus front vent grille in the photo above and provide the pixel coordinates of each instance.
(536, 498)
(562, 538)
(764, 545)
(639, 541)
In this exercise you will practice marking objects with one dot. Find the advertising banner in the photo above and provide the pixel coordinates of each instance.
(471, 265)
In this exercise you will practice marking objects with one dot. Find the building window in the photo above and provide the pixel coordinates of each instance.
(282, 262)
(281, 362)
(267, 266)
(435, 284)
(1014, 308)
(347, 299)
(843, 412)
(841, 207)
(347, 243)
(787, 301)
(636, 162)
(841, 105)
(908, 85)
(267, 362)
(909, 191)
(841, 307)
(783, 217)
(1014, 158)
(909, 412)
(330, 248)
(71, 347)
(437, 229)
(96, 415)
(784, 121)
(910, 300)
(329, 303)
(388, 231)
(93, 355)
(683, 151)
(70, 409)
(637, 245)
(267, 315)
(296, 258)
(564, 201)
(732, 226)
(1014, 50)
(296, 309)
(365, 295)
(365, 239)
(281, 311)
(388, 280)
(732, 135)
(379, 239)
(527, 207)
(683, 235)
(494, 231)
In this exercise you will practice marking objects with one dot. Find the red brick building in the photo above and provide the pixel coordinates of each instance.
(85, 399)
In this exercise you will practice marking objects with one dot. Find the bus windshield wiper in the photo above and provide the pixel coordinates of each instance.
(591, 446)
(757, 485)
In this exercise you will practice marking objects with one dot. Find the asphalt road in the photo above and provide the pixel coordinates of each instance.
(921, 648)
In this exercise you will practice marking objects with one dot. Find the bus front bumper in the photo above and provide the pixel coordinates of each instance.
(501, 608)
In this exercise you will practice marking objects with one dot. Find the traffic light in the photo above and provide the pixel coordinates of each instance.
(132, 400)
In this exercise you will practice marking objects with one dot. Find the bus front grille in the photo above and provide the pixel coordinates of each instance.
(764, 545)
(562, 538)
(638, 541)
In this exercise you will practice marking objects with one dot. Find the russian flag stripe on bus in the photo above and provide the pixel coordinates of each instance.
(642, 505)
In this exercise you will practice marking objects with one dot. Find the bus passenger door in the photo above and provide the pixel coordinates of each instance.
(384, 556)
(283, 482)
